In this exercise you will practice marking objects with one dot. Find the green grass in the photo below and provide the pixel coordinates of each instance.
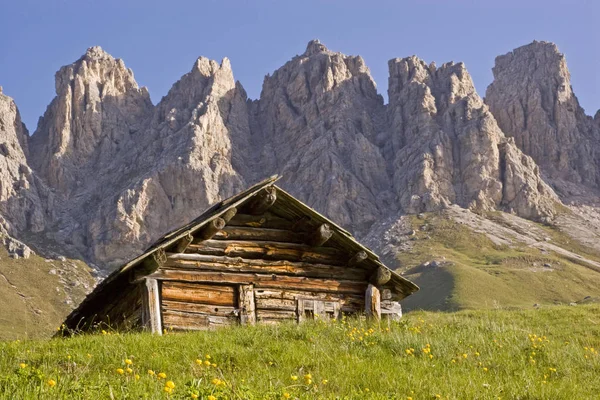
(481, 274)
(485, 354)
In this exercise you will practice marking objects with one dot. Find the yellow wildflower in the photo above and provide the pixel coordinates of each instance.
(485, 369)
(128, 361)
(207, 363)
(137, 377)
(207, 357)
(129, 371)
(465, 355)
(120, 371)
(199, 362)
(51, 382)
(195, 396)
(23, 365)
(213, 365)
(162, 375)
(150, 372)
(168, 389)
(294, 377)
(286, 395)
(215, 381)
(212, 397)
(170, 384)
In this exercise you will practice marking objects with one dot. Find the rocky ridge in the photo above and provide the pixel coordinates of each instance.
(122, 172)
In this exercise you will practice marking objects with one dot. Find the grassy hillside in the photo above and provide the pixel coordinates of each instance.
(550, 353)
(474, 272)
(36, 294)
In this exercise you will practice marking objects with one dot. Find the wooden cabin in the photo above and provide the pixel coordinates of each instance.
(260, 256)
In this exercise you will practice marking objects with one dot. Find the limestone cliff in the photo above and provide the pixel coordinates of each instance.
(446, 148)
(532, 100)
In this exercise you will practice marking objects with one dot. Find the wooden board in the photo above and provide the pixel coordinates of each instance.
(178, 320)
(204, 309)
(273, 299)
(253, 234)
(198, 293)
(267, 220)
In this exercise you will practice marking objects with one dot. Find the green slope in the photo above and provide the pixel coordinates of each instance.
(35, 294)
(475, 272)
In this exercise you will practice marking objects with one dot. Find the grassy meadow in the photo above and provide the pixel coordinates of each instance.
(547, 353)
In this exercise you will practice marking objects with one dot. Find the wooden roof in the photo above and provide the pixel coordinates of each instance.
(286, 206)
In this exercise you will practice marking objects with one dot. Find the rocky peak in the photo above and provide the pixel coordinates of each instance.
(98, 106)
(317, 117)
(314, 47)
(532, 100)
(446, 148)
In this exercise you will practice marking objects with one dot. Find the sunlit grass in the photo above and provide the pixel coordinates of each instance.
(536, 354)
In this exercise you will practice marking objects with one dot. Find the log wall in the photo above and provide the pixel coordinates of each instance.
(259, 268)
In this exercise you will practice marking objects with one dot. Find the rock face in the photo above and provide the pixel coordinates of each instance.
(132, 172)
(317, 117)
(25, 203)
(532, 100)
(124, 172)
(446, 148)
(97, 109)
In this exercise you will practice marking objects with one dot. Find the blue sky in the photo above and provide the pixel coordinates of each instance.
(160, 40)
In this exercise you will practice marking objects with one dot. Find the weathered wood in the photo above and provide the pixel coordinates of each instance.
(183, 243)
(381, 276)
(391, 309)
(210, 229)
(195, 308)
(283, 267)
(275, 315)
(151, 307)
(252, 234)
(229, 214)
(261, 280)
(372, 303)
(320, 235)
(178, 320)
(246, 305)
(358, 258)
(266, 220)
(148, 265)
(270, 251)
(261, 202)
(217, 295)
(286, 300)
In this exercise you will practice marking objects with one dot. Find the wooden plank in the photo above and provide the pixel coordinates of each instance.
(151, 312)
(270, 251)
(283, 267)
(263, 234)
(266, 220)
(210, 229)
(195, 308)
(260, 280)
(300, 316)
(246, 304)
(217, 295)
(275, 315)
(190, 321)
(318, 309)
(372, 302)
(392, 308)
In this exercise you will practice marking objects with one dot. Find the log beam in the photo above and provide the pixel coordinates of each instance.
(262, 201)
(372, 303)
(319, 236)
(183, 243)
(357, 258)
(211, 229)
(149, 265)
(229, 214)
(381, 276)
